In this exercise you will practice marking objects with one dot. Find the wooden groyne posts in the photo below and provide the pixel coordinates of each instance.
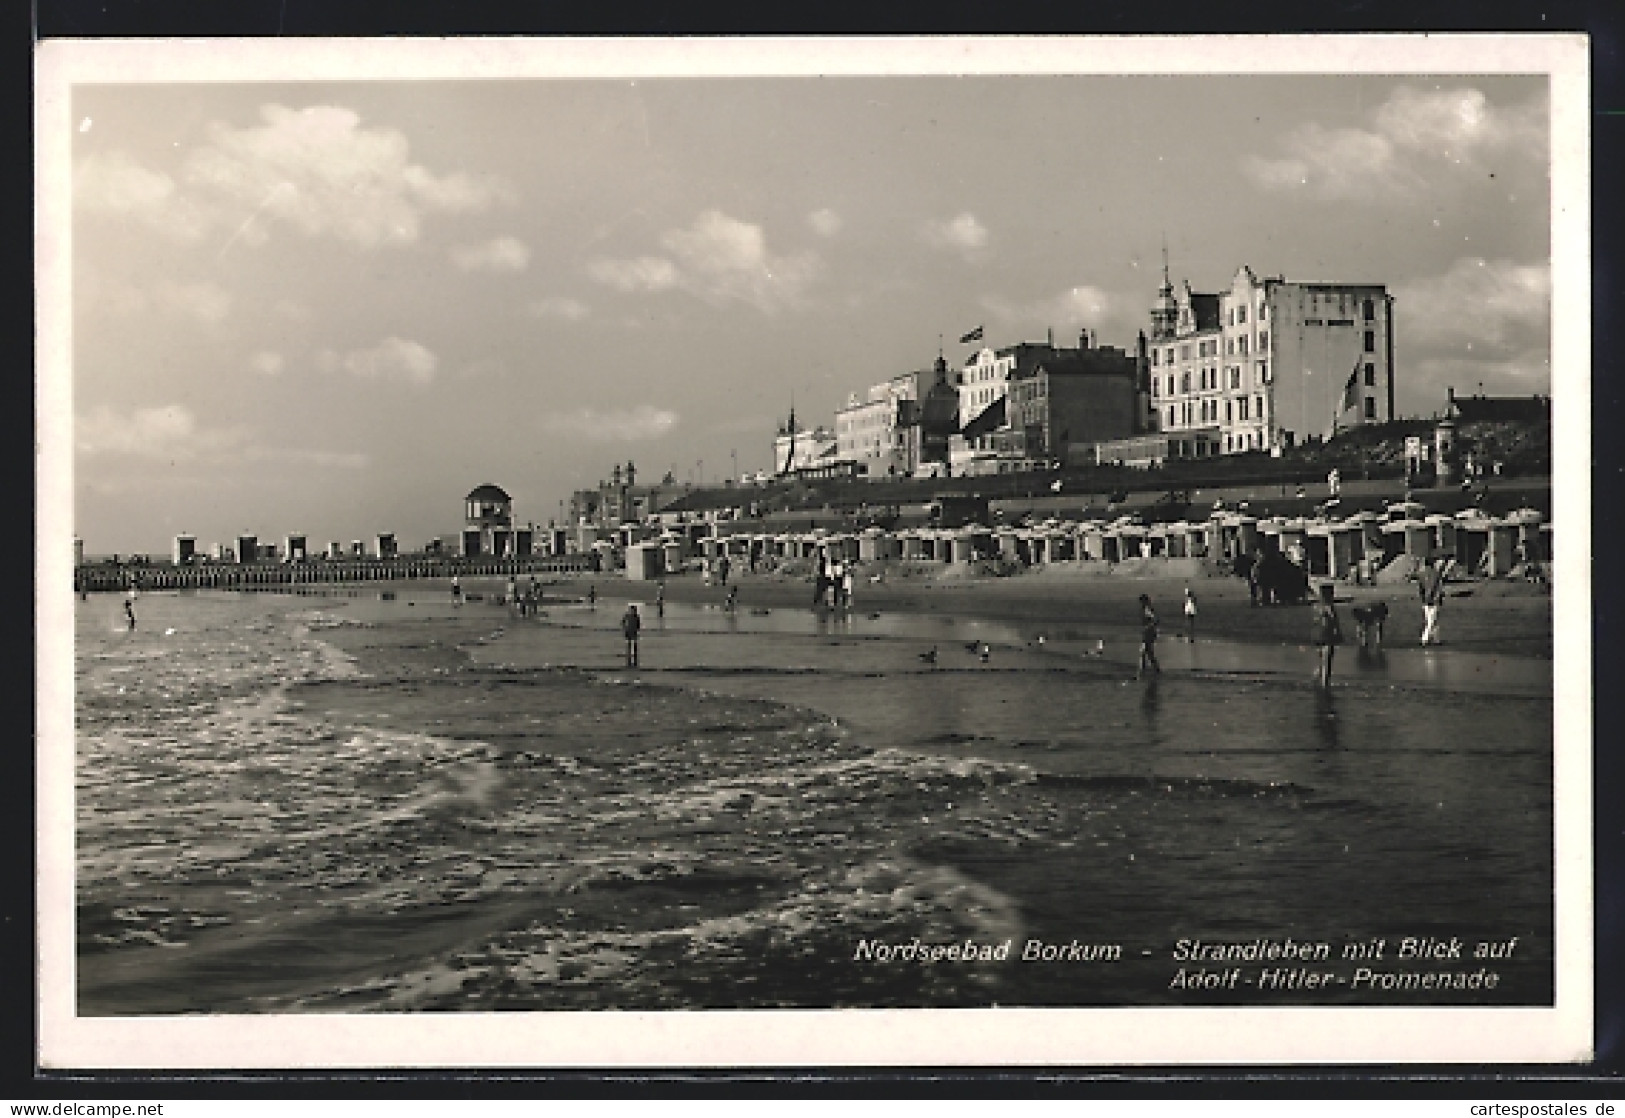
(235, 576)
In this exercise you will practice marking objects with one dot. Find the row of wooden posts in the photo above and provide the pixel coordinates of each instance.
(226, 576)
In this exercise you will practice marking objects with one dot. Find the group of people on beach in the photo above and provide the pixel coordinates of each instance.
(832, 583)
(1325, 625)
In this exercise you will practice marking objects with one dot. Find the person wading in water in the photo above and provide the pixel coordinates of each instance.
(1148, 638)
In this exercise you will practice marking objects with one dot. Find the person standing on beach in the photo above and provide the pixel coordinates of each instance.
(456, 591)
(1190, 615)
(513, 595)
(592, 597)
(1148, 638)
(846, 586)
(1253, 571)
(1325, 631)
(129, 609)
(660, 598)
(631, 625)
(733, 598)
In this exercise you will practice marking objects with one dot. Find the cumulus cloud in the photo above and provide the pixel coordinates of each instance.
(825, 222)
(719, 259)
(963, 234)
(391, 359)
(1481, 320)
(266, 362)
(559, 306)
(1066, 312)
(623, 425)
(1412, 138)
(500, 254)
(316, 170)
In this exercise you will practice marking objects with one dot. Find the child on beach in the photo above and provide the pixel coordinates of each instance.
(1148, 638)
(1325, 632)
(1190, 615)
(631, 625)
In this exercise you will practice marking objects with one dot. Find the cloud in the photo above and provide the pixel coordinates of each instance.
(963, 234)
(1414, 138)
(558, 306)
(719, 259)
(171, 433)
(391, 359)
(167, 432)
(266, 362)
(203, 302)
(316, 170)
(646, 273)
(825, 222)
(1067, 312)
(501, 254)
(1485, 302)
(1481, 320)
(625, 425)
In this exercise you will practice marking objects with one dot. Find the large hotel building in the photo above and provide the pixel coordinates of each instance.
(1268, 362)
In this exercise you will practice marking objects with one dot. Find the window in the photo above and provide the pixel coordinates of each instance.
(1371, 341)
(1262, 308)
(1156, 353)
(1242, 315)
(1370, 311)
(1241, 407)
(1170, 385)
(1184, 352)
(1227, 415)
(1241, 345)
(1184, 382)
(1155, 381)
(1370, 375)
(1263, 340)
(1230, 345)
(1371, 407)
(1258, 402)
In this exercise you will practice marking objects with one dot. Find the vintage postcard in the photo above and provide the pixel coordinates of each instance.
(802, 552)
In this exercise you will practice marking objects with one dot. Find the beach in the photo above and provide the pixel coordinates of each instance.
(364, 799)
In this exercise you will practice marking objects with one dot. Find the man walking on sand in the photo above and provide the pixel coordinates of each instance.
(1148, 638)
(1326, 632)
(631, 625)
(1430, 586)
(1190, 615)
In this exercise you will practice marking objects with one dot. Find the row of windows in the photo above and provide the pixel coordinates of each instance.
(1241, 410)
(1232, 347)
(1207, 380)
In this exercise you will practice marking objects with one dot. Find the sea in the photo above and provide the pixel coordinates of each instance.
(378, 800)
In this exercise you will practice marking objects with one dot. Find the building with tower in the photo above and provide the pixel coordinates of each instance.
(1267, 362)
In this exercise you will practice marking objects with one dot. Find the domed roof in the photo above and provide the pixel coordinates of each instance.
(488, 492)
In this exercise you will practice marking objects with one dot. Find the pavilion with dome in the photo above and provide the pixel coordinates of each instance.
(488, 525)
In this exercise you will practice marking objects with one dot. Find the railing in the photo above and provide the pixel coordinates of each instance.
(210, 575)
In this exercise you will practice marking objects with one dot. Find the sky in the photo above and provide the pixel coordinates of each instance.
(336, 307)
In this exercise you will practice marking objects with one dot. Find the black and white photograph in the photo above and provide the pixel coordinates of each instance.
(1024, 551)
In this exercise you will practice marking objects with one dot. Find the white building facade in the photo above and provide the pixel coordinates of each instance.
(1266, 363)
(872, 430)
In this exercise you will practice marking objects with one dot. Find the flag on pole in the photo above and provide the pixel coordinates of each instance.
(974, 336)
(1351, 395)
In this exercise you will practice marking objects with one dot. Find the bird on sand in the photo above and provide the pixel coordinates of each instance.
(973, 647)
(930, 657)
